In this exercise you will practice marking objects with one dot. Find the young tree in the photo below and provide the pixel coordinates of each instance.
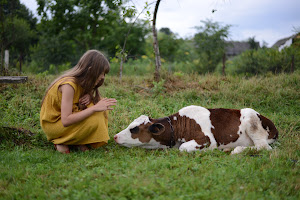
(155, 44)
(122, 53)
(210, 44)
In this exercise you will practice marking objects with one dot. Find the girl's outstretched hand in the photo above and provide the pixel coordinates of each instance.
(105, 104)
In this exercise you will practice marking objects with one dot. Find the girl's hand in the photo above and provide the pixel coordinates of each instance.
(85, 99)
(105, 104)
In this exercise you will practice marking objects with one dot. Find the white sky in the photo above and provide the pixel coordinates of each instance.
(266, 20)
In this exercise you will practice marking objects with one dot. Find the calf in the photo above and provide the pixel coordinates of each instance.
(197, 128)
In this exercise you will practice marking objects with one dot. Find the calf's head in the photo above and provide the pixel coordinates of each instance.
(143, 132)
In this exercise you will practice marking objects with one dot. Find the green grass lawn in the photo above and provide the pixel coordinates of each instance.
(30, 168)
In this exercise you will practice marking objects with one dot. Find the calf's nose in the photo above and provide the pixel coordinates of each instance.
(116, 138)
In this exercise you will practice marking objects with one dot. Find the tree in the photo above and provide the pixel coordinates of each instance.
(123, 53)
(91, 24)
(22, 39)
(17, 30)
(210, 44)
(155, 44)
(168, 44)
(166, 30)
(53, 50)
(253, 43)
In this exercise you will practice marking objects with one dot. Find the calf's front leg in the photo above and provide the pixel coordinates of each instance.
(190, 146)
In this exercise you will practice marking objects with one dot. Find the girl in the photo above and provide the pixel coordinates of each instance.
(72, 112)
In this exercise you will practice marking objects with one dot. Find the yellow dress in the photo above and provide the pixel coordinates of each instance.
(92, 130)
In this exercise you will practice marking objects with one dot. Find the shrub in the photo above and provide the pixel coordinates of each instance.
(262, 61)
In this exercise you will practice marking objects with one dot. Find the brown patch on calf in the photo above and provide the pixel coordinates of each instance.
(146, 132)
(143, 134)
(165, 137)
(226, 124)
(189, 129)
(268, 124)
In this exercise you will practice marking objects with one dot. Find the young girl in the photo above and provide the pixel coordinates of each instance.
(72, 112)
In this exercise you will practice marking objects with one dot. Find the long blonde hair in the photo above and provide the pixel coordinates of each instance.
(87, 71)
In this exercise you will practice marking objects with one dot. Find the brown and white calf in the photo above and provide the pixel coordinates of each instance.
(196, 128)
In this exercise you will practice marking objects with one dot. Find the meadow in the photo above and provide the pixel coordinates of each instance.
(30, 168)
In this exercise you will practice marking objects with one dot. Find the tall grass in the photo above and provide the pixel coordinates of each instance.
(31, 169)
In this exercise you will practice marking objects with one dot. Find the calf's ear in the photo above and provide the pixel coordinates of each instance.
(156, 129)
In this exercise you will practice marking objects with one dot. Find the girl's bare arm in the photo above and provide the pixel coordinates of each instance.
(68, 118)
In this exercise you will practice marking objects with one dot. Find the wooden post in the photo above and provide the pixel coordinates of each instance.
(6, 59)
(121, 68)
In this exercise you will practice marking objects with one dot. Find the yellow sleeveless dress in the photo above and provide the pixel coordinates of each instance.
(93, 130)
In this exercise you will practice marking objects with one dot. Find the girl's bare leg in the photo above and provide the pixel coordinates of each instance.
(62, 148)
(83, 148)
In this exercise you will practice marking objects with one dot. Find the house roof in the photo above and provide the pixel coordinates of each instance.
(235, 48)
(282, 41)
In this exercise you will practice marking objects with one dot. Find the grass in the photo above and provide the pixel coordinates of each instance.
(31, 169)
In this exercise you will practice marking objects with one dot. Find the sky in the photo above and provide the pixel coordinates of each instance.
(266, 20)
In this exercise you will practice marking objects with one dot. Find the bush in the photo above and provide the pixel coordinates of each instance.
(262, 61)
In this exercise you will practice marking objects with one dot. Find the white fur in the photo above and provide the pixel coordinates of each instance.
(189, 146)
(250, 136)
(202, 117)
(243, 140)
(124, 137)
(143, 119)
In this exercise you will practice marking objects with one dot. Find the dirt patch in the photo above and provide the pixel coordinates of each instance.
(17, 136)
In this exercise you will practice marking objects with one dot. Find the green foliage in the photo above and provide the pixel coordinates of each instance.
(158, 87)
(68, 28)
(210, 44)
(262, 61)
(168, 44)
(55, 50)
(31, 169)
(17, 32)
(253, 43)
(186, 52)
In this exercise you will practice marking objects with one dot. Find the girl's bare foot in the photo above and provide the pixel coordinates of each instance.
(62, 148)
(83, 148)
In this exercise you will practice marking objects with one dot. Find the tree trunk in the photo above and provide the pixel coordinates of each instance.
(121, 69)
(2, 61)
(224, 61)
(20, 62)
(155, 45)
(1, 41)
(293, 64)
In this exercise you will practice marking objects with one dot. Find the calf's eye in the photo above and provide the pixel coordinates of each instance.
(134, 130)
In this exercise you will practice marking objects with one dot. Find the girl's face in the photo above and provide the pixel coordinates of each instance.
(100, 80)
